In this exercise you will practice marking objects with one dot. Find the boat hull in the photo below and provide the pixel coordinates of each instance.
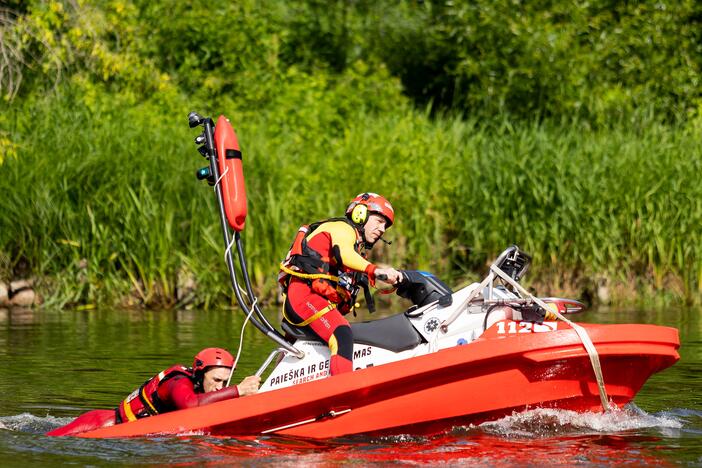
(484, 380)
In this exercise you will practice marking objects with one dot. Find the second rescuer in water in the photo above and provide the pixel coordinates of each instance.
(175, 388)
(325, 268)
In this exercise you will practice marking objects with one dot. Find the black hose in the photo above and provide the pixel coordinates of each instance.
(247, 280)
(490, 309)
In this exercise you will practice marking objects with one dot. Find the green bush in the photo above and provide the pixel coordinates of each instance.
(598, 61)
(567, 128)
(103, 202)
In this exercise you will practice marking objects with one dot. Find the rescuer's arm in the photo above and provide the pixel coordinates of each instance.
(218, 395)
(181, 394)
(344, 237)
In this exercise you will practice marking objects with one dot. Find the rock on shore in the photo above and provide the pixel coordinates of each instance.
(4, 294)
(18, 293)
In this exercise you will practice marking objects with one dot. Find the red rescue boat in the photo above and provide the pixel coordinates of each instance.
(467, 384)
(453, 358)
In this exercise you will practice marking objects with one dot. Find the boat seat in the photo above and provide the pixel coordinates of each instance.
(293, 333)
(394, 333)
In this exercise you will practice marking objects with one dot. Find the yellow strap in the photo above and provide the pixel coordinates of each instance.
(333, 345)
(148, 402)
(311, 319)
(550, 314)
(128, 410)
(309, 276)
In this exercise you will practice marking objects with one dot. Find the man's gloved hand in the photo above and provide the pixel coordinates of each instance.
(388, 275)
(249, 385)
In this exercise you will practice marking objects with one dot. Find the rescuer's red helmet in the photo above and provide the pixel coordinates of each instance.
(210, 357)
(366, 203)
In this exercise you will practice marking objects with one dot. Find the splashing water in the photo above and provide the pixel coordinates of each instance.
(546, 422)
(536, 436)
(26, 422)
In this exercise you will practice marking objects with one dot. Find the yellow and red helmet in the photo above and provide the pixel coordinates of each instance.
(210, 357)
(366, 203)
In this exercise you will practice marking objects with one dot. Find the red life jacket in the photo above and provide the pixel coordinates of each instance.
(144, 401)
(327, 276)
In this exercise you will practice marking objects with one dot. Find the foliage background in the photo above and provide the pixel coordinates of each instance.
(569, 128)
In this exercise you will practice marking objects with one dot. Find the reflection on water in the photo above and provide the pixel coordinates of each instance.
(17, 316)
(185, 334)
(57, 364)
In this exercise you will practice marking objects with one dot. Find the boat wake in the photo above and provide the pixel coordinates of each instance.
(547, 422)
(548, 436)
(536, 436)
(538, 422)
(534, 423)
(26, 422)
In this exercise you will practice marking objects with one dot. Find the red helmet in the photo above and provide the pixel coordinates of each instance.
(209, 357)
(365, 203)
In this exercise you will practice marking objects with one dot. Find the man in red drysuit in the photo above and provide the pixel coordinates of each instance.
(175, 388)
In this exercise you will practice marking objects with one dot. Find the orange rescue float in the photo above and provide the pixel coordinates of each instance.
(231, 171)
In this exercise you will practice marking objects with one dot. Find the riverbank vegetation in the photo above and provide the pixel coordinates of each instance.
(570, 130)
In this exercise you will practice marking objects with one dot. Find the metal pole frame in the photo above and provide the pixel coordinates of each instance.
(259, 320)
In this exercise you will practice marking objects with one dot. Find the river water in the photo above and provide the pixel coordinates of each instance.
(55, 365)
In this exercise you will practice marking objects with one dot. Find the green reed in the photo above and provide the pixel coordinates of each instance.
(103, 207)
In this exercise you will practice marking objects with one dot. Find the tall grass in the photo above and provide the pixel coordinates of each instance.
(103, 207)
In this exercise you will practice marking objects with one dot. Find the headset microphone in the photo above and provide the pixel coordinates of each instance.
(387, 242)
